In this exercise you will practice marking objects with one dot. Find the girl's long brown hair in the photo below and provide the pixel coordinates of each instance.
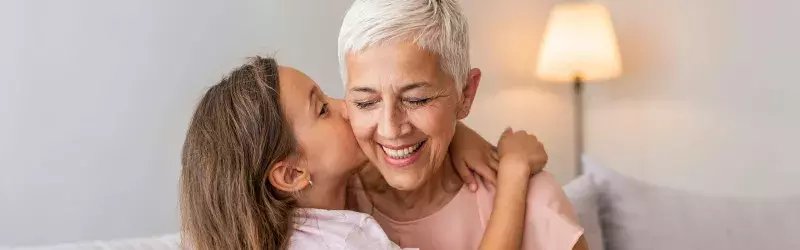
(237, 133)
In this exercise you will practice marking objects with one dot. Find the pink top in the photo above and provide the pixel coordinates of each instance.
(550, 221)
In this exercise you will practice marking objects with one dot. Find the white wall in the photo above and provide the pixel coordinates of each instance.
(96, 95)
(505, 37)
(709, 102)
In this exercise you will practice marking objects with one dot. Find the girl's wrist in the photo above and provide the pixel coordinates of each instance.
(513, 167)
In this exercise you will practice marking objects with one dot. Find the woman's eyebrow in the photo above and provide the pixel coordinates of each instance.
(404, 88)
(414, 85)
(364, 90)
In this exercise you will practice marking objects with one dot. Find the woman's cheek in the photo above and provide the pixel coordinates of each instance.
(431, 120)
(362, 124)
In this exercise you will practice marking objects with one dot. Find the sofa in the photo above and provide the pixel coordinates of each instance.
(621, 213)
(162, 242)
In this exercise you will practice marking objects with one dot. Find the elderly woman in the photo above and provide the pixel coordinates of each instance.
(408, 81)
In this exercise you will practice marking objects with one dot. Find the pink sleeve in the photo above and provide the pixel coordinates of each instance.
(550, 221)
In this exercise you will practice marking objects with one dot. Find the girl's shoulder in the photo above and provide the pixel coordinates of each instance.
(338, 229)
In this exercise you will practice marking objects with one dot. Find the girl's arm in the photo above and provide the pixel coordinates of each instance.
(518, 151)
(471, 153)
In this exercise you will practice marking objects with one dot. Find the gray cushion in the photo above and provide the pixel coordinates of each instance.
(638, 216)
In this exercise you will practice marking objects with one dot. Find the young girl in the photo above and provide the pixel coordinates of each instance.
(266, 164)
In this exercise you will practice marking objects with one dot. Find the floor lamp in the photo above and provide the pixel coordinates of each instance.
(579, 45)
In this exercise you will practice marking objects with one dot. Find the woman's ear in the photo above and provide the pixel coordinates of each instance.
(288, 177)
(469, 92)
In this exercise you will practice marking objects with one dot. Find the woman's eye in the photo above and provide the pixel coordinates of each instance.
(364, 104)
(324, 110)
(418, 101)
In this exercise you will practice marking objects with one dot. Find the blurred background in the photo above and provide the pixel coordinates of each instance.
(96, 95)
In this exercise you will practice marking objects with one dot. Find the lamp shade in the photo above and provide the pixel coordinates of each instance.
(579, 41)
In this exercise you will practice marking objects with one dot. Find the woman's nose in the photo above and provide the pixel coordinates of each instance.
(393, 124)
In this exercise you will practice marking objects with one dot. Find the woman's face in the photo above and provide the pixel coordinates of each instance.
(325, 138)
(403, 110)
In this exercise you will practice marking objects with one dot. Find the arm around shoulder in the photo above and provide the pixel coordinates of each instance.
(551, 222)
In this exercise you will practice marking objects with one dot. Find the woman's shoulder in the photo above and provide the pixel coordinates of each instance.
(544, 190)
(550, 218)
(550, 221)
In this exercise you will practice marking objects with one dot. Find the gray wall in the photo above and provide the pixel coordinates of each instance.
(96, 95)
(709, 102)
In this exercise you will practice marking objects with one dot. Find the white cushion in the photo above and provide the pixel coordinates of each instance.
(166, 242)
(637, 215)
(582, 193)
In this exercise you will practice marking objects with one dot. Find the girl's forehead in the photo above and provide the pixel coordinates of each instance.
(293, 81)
(296, 92)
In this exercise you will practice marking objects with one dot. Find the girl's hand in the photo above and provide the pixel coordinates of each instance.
(523, 147)
(470, 153)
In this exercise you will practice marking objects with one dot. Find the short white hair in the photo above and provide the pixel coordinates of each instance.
(437, 26)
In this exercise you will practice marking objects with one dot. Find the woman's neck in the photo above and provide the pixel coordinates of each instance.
(408, 205)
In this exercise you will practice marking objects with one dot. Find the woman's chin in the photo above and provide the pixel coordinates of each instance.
(403, 182)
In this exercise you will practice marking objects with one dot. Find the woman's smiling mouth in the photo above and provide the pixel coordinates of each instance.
(402, 156)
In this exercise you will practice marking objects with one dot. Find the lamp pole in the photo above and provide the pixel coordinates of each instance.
(578, 113)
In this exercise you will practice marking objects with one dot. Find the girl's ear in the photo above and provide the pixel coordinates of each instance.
(288, 177)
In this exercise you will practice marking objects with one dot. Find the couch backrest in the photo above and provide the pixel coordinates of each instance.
(165, 242)
(636, 215)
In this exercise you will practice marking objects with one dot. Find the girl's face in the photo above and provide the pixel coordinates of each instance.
(330, 151)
